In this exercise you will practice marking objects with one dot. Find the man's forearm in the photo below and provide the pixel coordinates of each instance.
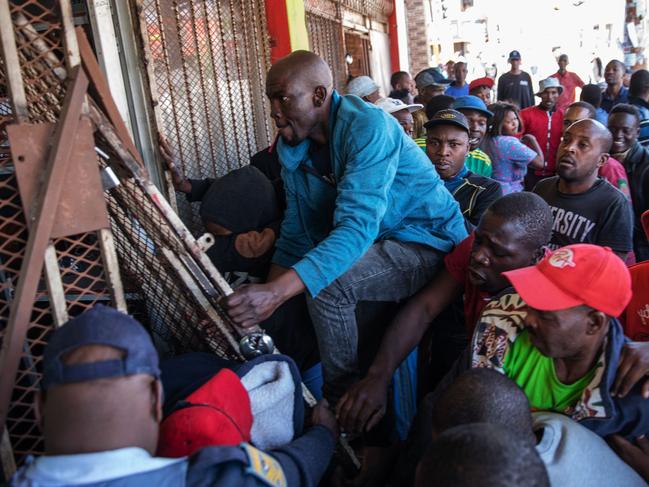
(286, 283)
(408, 327)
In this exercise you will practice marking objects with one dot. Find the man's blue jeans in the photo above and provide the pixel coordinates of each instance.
(389, 271)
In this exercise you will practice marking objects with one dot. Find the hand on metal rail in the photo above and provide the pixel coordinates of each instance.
(180, 182)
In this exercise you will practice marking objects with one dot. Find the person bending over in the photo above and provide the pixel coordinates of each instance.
(352, 230)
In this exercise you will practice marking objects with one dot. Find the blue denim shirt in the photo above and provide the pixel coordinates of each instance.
(608, 103)
(386, 188)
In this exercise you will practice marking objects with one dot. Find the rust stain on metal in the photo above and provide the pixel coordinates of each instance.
(79, 209)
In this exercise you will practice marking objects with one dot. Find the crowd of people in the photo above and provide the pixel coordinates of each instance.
(461, 282)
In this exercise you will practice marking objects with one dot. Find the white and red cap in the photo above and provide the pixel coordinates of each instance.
(580, 274)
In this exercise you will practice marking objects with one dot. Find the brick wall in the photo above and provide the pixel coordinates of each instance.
(417, 38)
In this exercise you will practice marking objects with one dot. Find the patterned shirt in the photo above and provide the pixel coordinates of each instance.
(510, 162)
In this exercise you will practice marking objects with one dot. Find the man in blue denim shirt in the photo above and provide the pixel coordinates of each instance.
(615, 91)
(367, 217)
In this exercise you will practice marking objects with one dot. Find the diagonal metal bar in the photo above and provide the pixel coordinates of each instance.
(39, 236)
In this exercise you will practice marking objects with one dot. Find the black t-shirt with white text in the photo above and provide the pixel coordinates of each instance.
(516, 88)
(600, 216)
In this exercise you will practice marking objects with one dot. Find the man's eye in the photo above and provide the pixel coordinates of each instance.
(284, 99)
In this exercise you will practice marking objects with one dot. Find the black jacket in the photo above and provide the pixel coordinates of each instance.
(475, 194)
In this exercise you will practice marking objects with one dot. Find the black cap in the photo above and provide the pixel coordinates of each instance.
(514, 56)
(448, 117)
(100, 325)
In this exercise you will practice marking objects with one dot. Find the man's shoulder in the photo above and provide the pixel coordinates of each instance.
(482, 182)
(354, 109)
(234, 465)
(529, 110)
(607, 193)
(546, 185)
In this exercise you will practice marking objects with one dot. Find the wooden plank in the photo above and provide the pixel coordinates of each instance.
(55, 287)
(111, 268)
(71, 54)
(103, 96)
(39, 237)
(13, 74)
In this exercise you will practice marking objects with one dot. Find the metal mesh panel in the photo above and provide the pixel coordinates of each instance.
(20, 423)
(174, 313)
(155, 293)
(326, 40)
(373, 8)
(209, 64)
(40, 53)
(40, 49)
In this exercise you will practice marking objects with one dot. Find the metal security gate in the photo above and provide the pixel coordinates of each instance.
(73, 277)
(207, 63)
(114, 241)
(323, 22)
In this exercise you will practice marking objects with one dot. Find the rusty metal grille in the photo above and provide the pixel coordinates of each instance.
(154, 292)
(39, 43)
(372, 8)
(326, 40)
(40, 50)
(21, 424)
(210, 59)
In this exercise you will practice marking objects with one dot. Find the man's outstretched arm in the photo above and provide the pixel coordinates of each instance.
(363, 405)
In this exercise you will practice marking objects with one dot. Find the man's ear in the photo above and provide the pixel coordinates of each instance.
(603, 158)
(158, 399)
(597, 321)
(319, 95)
(39, 406)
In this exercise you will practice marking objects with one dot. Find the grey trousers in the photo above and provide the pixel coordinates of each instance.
(389, 271)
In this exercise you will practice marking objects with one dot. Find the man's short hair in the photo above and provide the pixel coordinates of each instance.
(592, 112)
(639, 83)
(481, 454)
(618, 62)
(396, 77)
(484, 396)
(591, 94)
(437, 103)
(530, 211)
(626, 108)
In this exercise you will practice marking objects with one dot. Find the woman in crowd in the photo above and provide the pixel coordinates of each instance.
(510, 156)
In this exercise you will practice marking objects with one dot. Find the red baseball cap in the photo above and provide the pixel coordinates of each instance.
(486, 81)
(217, 413)
(575, 275)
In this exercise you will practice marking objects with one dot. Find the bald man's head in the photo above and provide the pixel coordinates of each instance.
(583, 150)
(299, 88)
(304, 65)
